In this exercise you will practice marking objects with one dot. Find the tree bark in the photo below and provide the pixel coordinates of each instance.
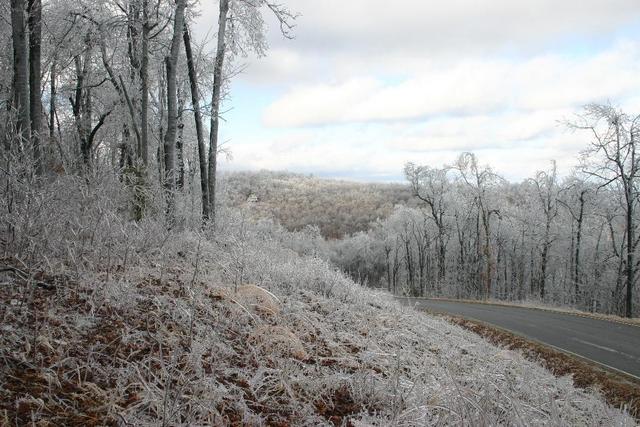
(215, 106)
(144, 87)
(630, 255)
(162, 108)
(52, 100)
(20, 68)
(35, 79)
(197, 114)
(543, 270)
(387, 251)
(576, 266)
(171, 62)
(180, 144)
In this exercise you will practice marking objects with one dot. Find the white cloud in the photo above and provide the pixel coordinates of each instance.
(370, 84)
(469, 133)
(513, 145)
(467, 87)
(381, 32)
(433, 25)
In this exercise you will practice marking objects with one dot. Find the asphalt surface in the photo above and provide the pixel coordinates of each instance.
(614, 345)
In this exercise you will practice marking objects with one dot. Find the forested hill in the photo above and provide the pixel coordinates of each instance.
(468, 232)
(338, 208)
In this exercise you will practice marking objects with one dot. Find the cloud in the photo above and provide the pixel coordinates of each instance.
(370, 84)
(514, 145)
(381, 32)
(472, 86)
(469, 133)
(429, 26)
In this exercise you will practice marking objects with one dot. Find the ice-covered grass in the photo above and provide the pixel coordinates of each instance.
(120, 323)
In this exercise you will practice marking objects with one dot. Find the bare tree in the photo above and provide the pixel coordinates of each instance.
(21, 95)
(197, 114)
(480, 180)
(546, 186)
(144, 85)
(215, 105)
(573, 198)
(82, 103)
(245, 18)
(431, 186)
(171, 62)
(612, 160)
(35, 79)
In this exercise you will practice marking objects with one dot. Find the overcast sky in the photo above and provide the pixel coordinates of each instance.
(367, 85)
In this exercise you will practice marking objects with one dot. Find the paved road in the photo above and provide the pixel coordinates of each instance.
(612, 344)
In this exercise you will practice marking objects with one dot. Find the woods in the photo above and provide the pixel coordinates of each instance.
(568, 241)
(114, 77)
(461, 230)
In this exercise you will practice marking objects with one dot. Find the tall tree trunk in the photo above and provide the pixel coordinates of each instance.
(20, 68)
(479, 279)
(487, 253)
(144, 87)
(543, 270)
(133, 52)
(171, 62)
(387, 251)
(545, 257)
(161, 120)
(52, 100)
(86, 117)
(576, 266)
(215, 105)
(197, 114)
(630, 257)
(180, 144)
(410, 265)
(442, 255)
(81, 103)
(35, 78)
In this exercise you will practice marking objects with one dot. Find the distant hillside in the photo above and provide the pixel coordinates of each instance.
(336, 207)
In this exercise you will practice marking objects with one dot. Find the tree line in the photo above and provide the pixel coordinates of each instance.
(120, 85)
(569, 241)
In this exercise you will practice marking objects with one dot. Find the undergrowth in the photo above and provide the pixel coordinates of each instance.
(107, 321)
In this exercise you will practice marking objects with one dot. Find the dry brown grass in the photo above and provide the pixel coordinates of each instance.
(278, 340)
(259, 299)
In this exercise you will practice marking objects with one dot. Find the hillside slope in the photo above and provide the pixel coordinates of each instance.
(171, 334)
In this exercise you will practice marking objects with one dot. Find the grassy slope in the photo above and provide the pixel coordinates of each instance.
(105, 321)
(165, 341)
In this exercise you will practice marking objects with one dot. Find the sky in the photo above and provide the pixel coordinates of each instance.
(368, 85)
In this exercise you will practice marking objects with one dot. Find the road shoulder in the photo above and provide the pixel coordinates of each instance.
(619, 389)
(570, 312)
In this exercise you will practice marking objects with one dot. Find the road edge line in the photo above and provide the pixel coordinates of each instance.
(583, 315)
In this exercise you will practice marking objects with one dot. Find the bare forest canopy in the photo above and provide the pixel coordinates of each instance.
(337, 208)
(462, 231)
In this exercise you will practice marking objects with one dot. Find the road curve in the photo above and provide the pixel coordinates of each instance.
(611, 344)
